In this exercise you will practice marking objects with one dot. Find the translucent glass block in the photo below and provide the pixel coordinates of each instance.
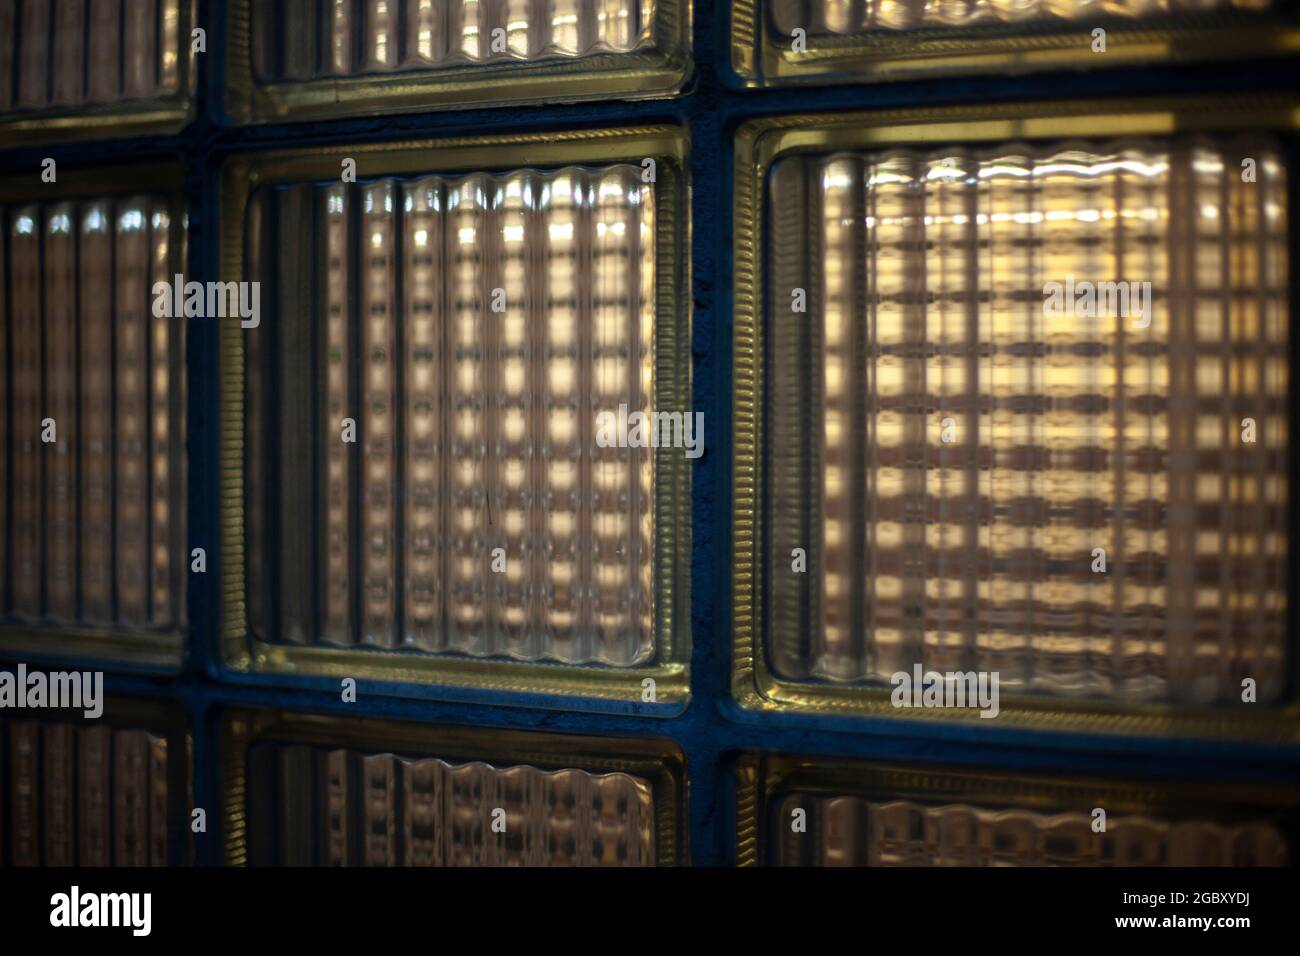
(95, 468)
(794, 41)
(1027, 413)
(845, 17)
(91, 794)
(92, 58)
(801, 811)
(304, 40)
(467, 331)
(382, 810)
(854, 831)
(339, 56)
(309, 790)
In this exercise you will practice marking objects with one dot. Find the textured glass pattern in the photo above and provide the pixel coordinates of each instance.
(57, 54)
(846, 17)
(94, 465)
(83, 795)
(951, 450)
(855, 831)
(346, 808)
(302, 39)
(471, 329)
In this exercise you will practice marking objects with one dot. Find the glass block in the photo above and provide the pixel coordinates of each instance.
(798, 812)
(109, 792)
(80, 68)
(339, 56)
(323, 792)
(777, 42)
(971, 545)
(424, 466)
(95, 472)
(845, 17)
(1024, 413)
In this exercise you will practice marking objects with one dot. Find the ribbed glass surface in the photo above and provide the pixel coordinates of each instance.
(319, 807)
(94, 461)
(951, 449)
(83, 796)
(854, 831)
(312, 39)
(473, 328)
(66, 53)
(846, 17)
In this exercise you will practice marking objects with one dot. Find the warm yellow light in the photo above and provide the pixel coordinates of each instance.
(78, 52)
(955, 442)
(476, 513)
(858, 831)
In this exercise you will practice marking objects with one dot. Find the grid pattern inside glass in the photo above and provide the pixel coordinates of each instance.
(836, 18)
(95, 463)
(71, 53)
(846, 830)
(472, 328)
(84, 795)
(950, 450)
(368, 809)
(305, 40)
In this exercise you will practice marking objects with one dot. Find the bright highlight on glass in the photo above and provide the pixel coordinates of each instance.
(94, 460)
(343, 38)
(1087, 495)
(466, 332)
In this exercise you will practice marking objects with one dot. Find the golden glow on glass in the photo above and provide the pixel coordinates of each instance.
(378, 414)
(775, 42)
(856, 831)
(496, 317)
(383, 810)
(60, 404)
(130, 385)
(25, 399)
(441, 33)
(98, 508)
(337, 479)
(71, 52)
(950, 450)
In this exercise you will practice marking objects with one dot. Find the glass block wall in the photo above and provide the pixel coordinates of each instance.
(601, 432)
